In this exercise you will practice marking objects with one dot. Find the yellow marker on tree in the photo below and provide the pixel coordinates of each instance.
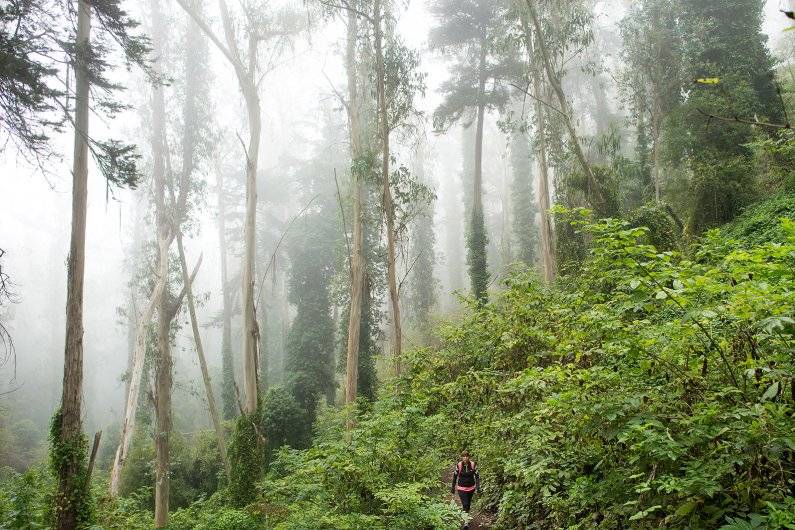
(708, 80)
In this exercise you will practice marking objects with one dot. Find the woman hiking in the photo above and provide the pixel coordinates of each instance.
(466, 481)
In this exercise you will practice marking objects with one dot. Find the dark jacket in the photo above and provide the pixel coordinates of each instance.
(466, 477)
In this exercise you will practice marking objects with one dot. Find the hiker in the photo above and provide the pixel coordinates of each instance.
(466, 480)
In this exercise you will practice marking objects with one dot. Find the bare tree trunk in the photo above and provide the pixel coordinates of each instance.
(69, 496)
(136, 372)
(229, 405)
(547, 230)
(246, 77)
(208, 386)
(389, 207)
(163, 363)
(163, 383)
(357, 259)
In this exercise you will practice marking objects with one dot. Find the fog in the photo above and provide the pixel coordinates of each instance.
(299, 101)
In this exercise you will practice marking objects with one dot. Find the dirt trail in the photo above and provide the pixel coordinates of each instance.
(480, 520)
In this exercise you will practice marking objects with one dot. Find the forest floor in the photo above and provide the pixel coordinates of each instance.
(480, 519)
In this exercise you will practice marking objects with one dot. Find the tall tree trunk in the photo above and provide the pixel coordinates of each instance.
(389, 207)
(248, 87)
(163, 383)
(208, 386)
(228, 399)
(357, 259)
(547, 231)
(264, 361)
(246, 78)
(477, 240)
(70, 498)
(131, 403)
(163, 362)
(656, 118)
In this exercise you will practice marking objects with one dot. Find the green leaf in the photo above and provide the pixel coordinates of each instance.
(686, 508)
(644, 513)
(771, 392)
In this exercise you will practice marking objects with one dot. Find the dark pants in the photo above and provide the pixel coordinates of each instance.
(466, 499)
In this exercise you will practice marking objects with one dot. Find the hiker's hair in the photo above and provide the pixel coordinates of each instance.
(464, 453)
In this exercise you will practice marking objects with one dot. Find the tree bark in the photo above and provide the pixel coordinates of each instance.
(208, 386)
(246, 77)
(136, 372)
(547, 229)
(389, 207)
(547, 232)
(228, 400)
(163, 384)
(357, 239)
(68, 498)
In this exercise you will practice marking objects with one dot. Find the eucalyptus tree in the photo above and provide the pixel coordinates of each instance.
(560, 29)
(397, 83)
(362, 163)
(256, 28)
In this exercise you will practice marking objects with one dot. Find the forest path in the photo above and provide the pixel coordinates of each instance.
(480, 519)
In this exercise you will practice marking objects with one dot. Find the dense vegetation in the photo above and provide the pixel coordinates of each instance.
(620, 357)
(652, 389)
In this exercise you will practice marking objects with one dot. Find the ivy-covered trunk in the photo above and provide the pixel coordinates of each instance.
(477, 239)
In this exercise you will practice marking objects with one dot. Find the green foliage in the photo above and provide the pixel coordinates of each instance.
(477, 241)
(247, 459)
(284, 421)
(309, 361)
(68, 465)
(384, 474)
(775, 156)
(23, 503)
(662, 232)
(195, 469)
(762, 223)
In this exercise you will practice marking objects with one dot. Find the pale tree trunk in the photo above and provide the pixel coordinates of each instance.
(208, 386)
(565, 110)
(357, 259)
(137, 368)
(163, 383)
(547, 233)
(228, 372)
(163, 363)
(389, 207)
(246, 77)
(547, 229)
(69, 495)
